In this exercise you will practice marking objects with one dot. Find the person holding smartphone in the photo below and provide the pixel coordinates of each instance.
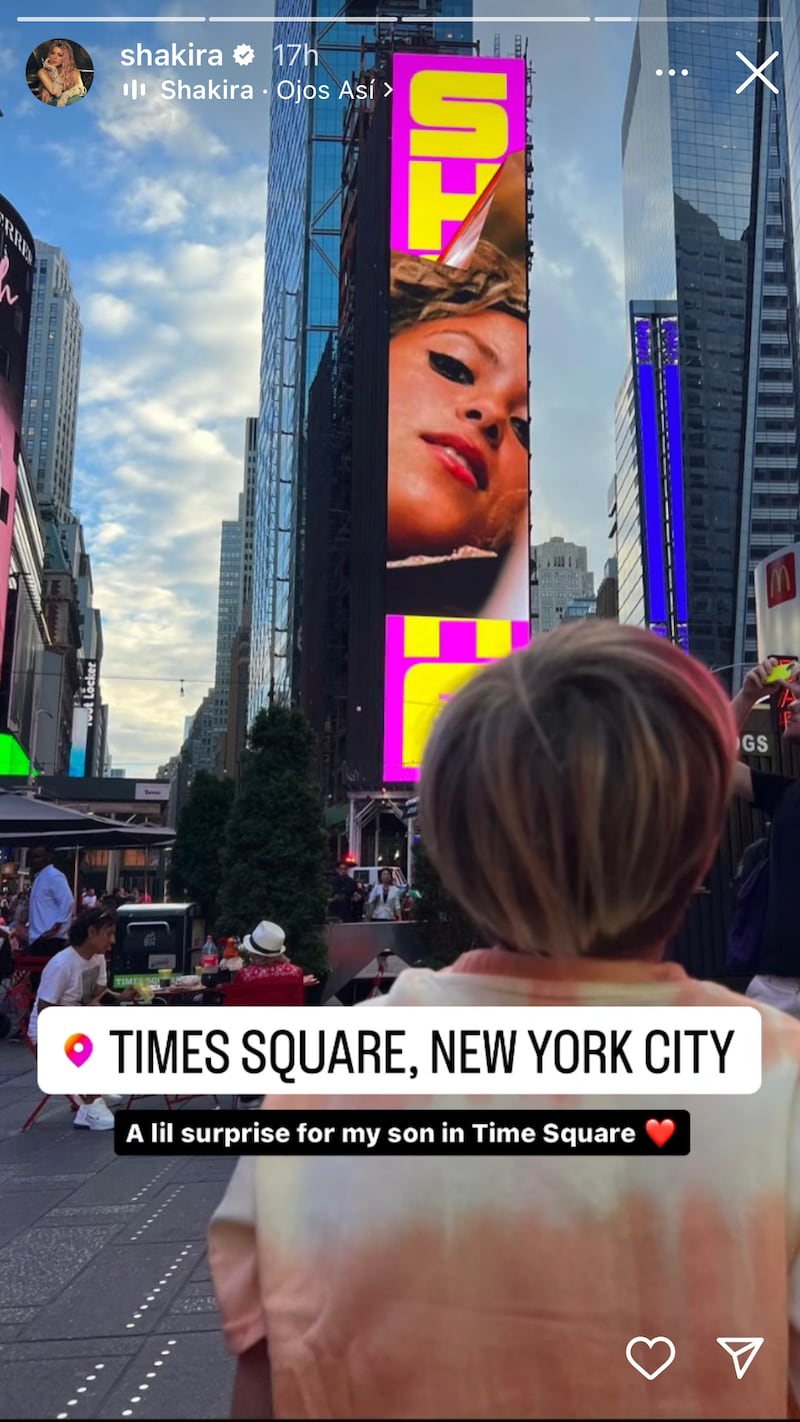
(77, 976)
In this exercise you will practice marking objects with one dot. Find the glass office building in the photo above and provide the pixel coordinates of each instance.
(790, 46)
(301, 297)
(708, 239)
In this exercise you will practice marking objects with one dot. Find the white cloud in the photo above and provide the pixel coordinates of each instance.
(585, 205)
(154, 203)
(109, 315)
(161, 442)
(155, 121)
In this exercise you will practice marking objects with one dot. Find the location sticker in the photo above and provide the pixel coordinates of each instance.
(78, 1048)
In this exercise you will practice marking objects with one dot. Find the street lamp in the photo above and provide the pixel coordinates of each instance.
(40, 711)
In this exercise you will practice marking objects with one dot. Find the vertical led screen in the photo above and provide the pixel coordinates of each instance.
(658, 394)
(458, 536)
(16, 285)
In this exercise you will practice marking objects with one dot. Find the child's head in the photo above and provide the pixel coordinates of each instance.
(573, 795)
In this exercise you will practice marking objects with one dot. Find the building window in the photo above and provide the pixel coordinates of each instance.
(4, 505)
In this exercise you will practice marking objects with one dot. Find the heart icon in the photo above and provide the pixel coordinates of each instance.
(650, 1343)
(660, 1131)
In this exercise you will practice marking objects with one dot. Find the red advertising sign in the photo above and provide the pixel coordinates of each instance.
(781, 580)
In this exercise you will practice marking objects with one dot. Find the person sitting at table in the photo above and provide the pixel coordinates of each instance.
(270, 979)
(51, 906)
(77, 977)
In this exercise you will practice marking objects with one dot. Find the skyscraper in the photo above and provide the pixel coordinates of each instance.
(247, 509)
(229, 611)
(51, 381)
(561, 577)
(16, 287)
(790, 45)
(235, 578)
(301, 300)
(711, 293)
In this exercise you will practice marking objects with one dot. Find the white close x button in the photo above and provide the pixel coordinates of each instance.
(758, 71)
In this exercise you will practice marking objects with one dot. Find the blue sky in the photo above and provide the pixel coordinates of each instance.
(160, 208)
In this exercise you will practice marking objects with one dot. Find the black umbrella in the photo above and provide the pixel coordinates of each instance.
(25, 820)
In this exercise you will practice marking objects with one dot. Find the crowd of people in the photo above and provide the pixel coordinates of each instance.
(353, 899)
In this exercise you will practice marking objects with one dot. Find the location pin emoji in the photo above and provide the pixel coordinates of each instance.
(78, 1048)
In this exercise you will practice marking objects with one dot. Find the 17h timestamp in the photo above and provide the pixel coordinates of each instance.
(295, 54)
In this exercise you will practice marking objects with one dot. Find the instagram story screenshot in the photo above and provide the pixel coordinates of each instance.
(400, 614)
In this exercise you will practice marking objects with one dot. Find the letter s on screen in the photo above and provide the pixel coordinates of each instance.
(455, 127)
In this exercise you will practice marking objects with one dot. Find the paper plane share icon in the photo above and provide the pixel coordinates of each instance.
(742, 1351)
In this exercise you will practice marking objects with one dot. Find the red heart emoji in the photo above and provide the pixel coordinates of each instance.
(660, 1131)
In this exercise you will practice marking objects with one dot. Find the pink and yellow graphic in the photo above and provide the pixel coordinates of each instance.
(454, 121)
(428, 659)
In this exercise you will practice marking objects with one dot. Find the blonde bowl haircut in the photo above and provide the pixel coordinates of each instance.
(573, 794)
(429, 291)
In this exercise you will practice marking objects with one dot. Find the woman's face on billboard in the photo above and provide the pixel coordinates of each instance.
(458, 434)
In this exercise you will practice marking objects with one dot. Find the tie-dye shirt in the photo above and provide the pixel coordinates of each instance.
(509, 1287)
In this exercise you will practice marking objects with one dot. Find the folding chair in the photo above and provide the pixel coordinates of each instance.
(171, 1101)
(38, 1110)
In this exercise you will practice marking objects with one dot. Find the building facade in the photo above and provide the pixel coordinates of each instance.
(247, 509)
(16, 289)
(301, 304)
(233, 614)
(26, 632)
(625, 509)
(88, 754)
(560, 578)
(710, 287)
(229, 610)
(790, 46)
(52, 380)
(607, 593)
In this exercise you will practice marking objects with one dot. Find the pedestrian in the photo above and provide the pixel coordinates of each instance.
(88, 898)
(51, 907)
(776, 980)
(384, 903)
(573, 797)
(340, 904)
(358, 902)
(78, 976)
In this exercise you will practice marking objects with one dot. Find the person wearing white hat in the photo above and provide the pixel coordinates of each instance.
(270, 979)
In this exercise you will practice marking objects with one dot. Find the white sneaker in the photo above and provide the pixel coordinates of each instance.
(95, 1117)
(114, 1100)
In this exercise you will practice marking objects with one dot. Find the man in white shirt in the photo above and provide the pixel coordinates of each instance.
(52, 906)
(77, 977)
(383, 904)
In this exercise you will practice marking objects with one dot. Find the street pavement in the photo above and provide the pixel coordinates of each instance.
(106, 1302)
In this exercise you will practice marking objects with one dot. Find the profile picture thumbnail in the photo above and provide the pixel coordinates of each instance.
(59, 73)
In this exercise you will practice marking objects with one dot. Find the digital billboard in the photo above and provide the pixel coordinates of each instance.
(16, 286)
(78, 744)
(458, 477)
(656, 362)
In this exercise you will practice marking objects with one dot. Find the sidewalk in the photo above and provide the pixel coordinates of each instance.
(106, 1304)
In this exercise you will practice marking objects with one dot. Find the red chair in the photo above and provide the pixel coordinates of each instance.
(263, 992)
(171, 1101)
(38, 1110)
